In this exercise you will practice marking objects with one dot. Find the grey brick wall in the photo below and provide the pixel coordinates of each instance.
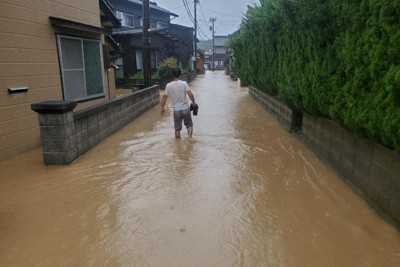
(66, 135)
(280, 111)
(371, 169)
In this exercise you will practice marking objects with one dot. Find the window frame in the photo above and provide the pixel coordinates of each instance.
(154, 57)
(124, 15)
(161, 24)
(62, 70)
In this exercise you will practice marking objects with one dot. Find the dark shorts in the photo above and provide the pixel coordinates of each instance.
(184, 115)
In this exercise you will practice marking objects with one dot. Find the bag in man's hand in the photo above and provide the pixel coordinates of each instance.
(194, 108)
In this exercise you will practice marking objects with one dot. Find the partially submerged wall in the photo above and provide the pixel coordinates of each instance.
(371, 169)
(281, 112)
(66, 135)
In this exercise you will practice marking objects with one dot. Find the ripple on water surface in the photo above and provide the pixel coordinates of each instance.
(242, 192)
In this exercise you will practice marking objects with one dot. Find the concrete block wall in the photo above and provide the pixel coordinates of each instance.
(371, 169)
(280, 111)
(66, 135)
(94, 124)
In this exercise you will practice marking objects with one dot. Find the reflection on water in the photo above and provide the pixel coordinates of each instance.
(242, 192)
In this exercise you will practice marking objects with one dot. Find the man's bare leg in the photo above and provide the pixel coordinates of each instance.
(190, 131)
(177, 134)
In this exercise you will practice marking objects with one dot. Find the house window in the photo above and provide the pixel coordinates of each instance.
(119, 73)
(81, 68)
(128, 20)
(153, 59)
(139, 59)
(161, 24)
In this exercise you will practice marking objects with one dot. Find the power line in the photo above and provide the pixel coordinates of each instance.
(199, 28)
(205, 20)
(235, 16)
(203, 35)
(185, 3)
(204, 17)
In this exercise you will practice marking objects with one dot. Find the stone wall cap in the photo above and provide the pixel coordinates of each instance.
(54, 106)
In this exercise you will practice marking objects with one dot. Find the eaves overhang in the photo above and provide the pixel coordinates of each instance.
(108, 17)
(162, 31)
(73, 25)
(154, 6)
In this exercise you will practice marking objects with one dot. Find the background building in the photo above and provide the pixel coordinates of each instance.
(220, 55)
(166, 39)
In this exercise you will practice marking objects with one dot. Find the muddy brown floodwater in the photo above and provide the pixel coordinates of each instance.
(242, 192)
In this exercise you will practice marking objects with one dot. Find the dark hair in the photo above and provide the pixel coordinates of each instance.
(176, 72)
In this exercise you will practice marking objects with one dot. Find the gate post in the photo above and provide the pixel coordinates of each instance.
(57, 131)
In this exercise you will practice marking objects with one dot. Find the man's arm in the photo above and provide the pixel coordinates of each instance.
(191, 96)
(163, 101)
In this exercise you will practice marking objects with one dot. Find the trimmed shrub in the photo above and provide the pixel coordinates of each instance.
(140, 75)
(164, 72)
(337, 59)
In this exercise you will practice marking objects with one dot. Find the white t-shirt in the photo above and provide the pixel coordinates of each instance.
(177, 91)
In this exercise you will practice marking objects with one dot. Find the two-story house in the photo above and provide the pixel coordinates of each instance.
(215, 52)
(166, 39)
(50, 50)
(220, 52)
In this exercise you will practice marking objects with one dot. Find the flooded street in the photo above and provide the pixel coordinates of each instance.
(242, 192)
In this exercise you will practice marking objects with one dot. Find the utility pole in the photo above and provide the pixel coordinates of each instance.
(212, 20)
(146, 44)
(195, 36)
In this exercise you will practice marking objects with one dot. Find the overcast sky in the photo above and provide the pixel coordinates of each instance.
(229, 14)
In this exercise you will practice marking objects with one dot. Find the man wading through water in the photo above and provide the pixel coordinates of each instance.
(177, 90)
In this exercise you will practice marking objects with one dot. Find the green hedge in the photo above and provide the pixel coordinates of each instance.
(337, 59)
